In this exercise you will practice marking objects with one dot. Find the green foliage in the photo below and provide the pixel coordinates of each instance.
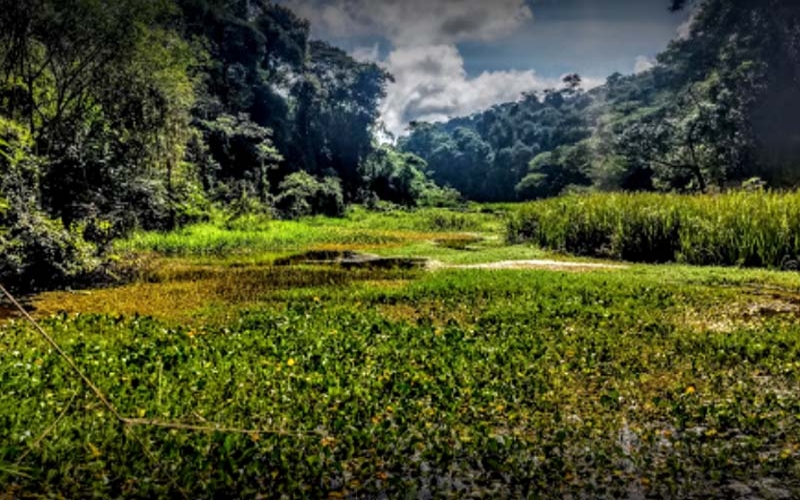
(35, 251)
(242, 155)
(508, 383)
(104, 92)
(39, 253)
(302, 195)
(759, 229)
(400, 178)
(442, 197)
(553, 172)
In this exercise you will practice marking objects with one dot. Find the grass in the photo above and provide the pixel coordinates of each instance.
(653, 381)
(362, 229)
(759, 229)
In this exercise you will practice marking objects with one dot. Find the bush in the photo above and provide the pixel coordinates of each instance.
(303, 195)
(756, 229)
(441, 197)
(448, 221)
(39, 253)
(36, 252)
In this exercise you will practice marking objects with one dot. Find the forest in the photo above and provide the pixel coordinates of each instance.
(135, 114)
(720, 108)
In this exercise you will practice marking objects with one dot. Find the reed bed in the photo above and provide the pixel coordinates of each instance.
(749, 229)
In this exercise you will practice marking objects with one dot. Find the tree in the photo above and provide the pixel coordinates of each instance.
(395, 177)
(747, 52)
(550, 173)
(337, 103)
(243, 154)
(302, 195)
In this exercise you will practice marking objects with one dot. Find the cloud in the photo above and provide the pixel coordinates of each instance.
(643, 63)
(415, 22)
(431, 84)
(366, 54)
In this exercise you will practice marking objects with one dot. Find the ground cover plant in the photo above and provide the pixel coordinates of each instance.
(739, 228)
(650, 381)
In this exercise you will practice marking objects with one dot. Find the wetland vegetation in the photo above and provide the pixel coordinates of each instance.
(241, 284)
(650, 380)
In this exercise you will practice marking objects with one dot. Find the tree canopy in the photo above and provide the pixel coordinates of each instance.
(721, 106)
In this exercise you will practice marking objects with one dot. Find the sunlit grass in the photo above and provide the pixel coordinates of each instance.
(360, 229)
(752, 229)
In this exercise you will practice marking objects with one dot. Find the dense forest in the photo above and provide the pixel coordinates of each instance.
(138, 114)
(721, 107)
(128, 114)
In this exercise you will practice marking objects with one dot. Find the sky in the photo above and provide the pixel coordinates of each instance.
(455, 57)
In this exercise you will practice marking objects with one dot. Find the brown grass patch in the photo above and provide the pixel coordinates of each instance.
(399, 312)
(751, 310)
(387, 284)
(436, 313)
(181, 292)
(342, 247)
(174, 301)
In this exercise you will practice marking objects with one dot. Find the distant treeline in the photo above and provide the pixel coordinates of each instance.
(720, 107)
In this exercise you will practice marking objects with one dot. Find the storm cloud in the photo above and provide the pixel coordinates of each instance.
(415, 22)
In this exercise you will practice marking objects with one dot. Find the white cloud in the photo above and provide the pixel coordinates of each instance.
(431, 84)
(415, 22)
(643, 63)
(366, 54)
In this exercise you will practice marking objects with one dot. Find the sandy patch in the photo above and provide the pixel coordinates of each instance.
(553, 265)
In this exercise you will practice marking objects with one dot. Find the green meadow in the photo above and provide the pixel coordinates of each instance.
(319, 381)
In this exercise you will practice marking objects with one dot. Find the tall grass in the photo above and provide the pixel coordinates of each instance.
(754, 229)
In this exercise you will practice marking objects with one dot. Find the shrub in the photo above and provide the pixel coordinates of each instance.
(448, 221)
(37, 253)
(303, 195)
(441, 197)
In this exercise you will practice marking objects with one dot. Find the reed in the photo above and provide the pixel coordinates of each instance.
(751, 229)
